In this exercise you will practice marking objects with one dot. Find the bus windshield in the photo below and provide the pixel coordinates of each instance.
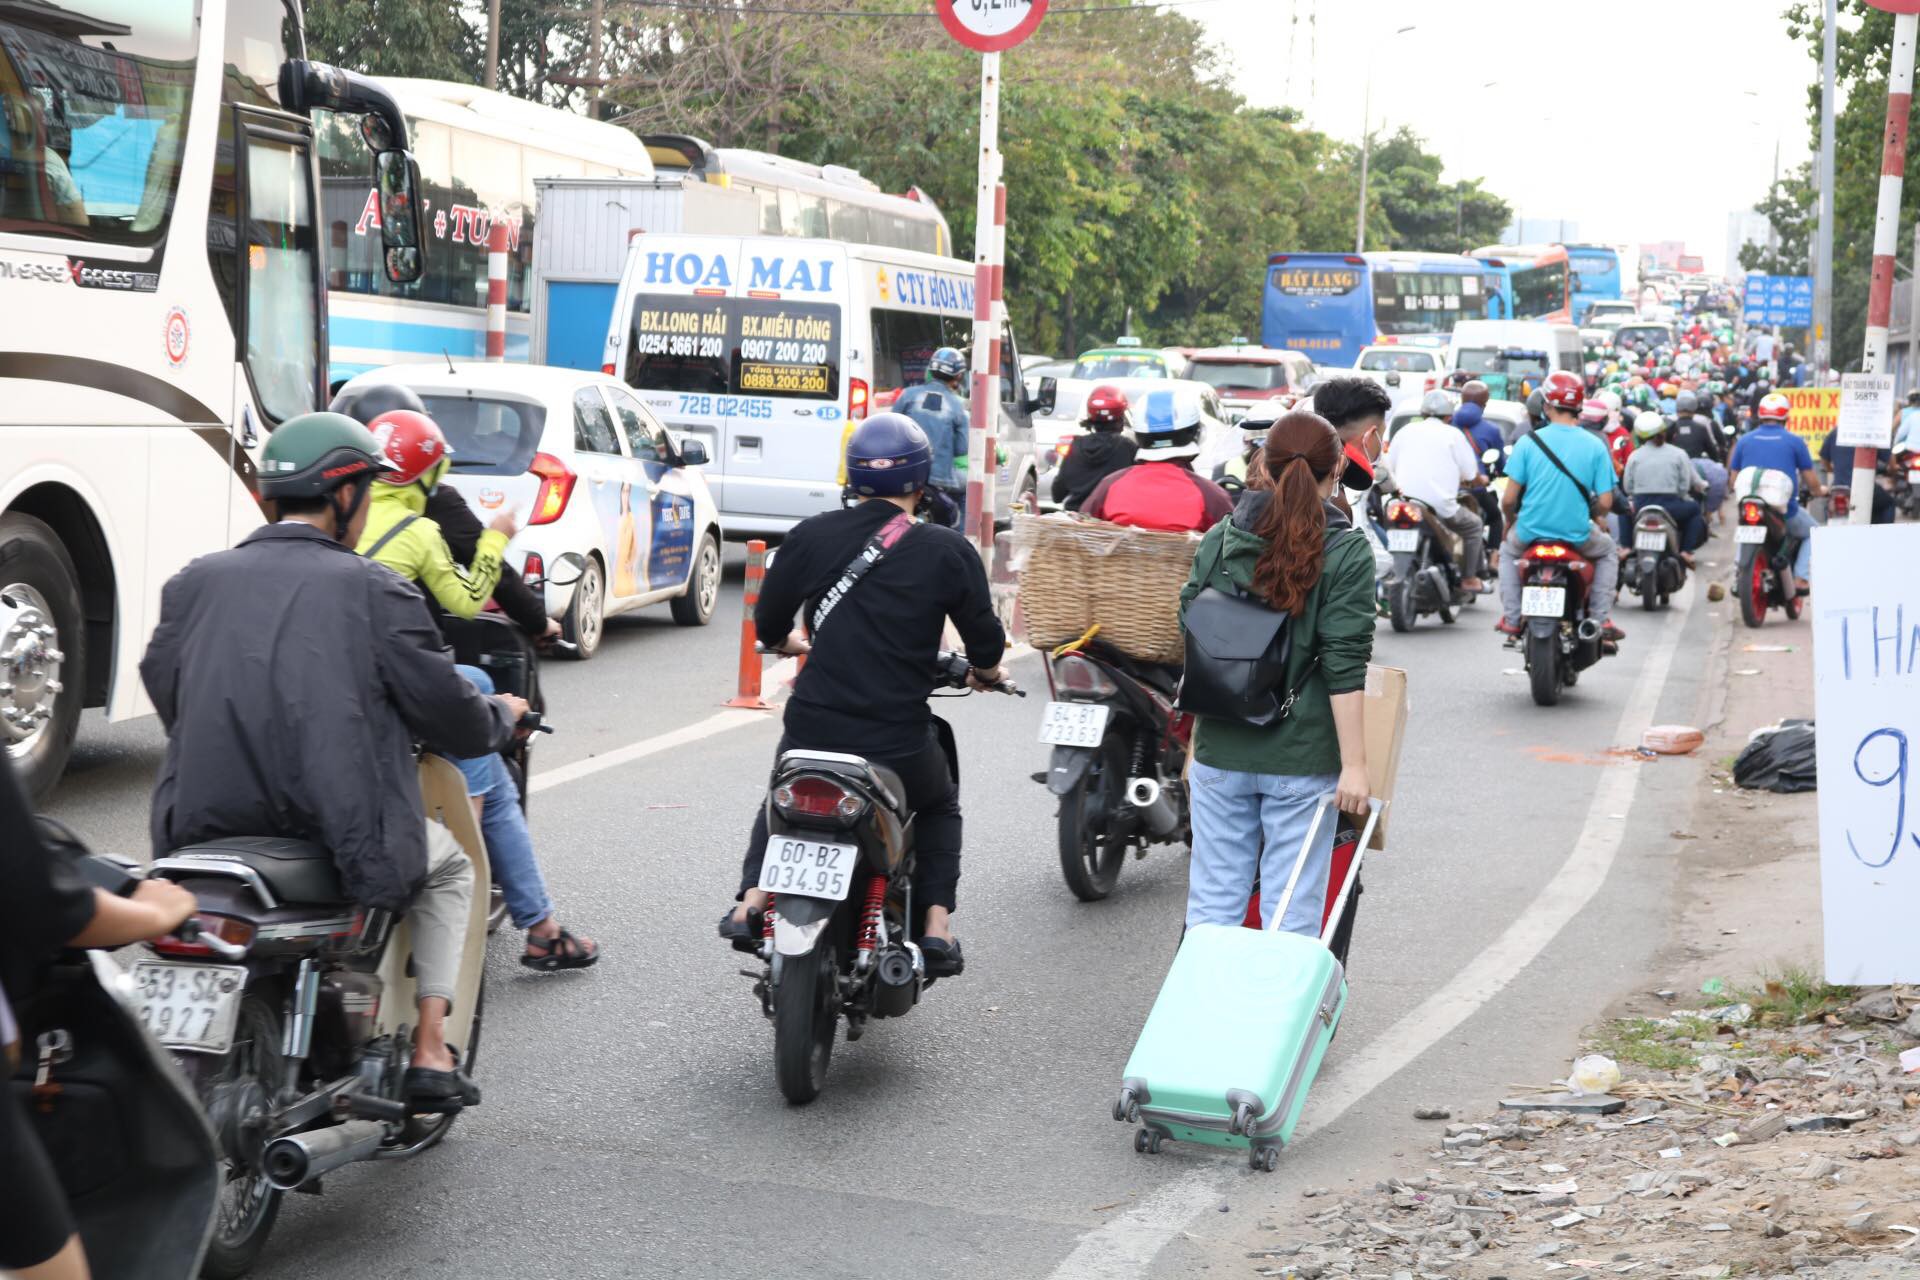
(746, 346)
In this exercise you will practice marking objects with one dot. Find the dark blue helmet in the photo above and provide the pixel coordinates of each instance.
(946, 363)
(888, 457)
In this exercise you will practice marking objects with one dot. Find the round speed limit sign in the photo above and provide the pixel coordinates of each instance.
(990, 25)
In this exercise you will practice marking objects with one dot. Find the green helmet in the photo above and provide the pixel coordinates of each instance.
(315, 453)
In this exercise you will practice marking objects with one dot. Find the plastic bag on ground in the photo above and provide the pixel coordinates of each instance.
(1593, 1074)
(1778, 758)
(1672, 739)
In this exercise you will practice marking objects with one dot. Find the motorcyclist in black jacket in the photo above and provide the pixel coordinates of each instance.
(1104, 447)
(293, 678)
(872, 657)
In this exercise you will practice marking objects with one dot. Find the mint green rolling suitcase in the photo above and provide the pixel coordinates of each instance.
(1239, 1030)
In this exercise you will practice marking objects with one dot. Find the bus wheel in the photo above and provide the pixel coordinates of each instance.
(42, 651)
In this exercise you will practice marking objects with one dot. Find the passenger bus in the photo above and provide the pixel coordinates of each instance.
(1596, 277)
(1535, 281)
(823, 202)
(161, 253)
(479, 154)
(1332, 305)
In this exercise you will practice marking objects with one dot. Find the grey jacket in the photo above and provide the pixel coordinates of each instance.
(293, 678)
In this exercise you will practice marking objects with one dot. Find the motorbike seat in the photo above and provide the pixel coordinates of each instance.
(294, 870)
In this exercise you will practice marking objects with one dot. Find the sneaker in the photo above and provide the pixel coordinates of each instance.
(1612, 633)
(1507, 628)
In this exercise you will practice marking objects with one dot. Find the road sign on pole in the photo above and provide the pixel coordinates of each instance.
(1786, 300)
(989, 26)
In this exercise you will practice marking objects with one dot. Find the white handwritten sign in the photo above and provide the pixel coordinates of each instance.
(1866, 411)
(1866, 666)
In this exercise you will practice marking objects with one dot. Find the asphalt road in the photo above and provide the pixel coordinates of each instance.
(631, 1126)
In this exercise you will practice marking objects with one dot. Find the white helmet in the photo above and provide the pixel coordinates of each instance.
(1168, 427)
(1438, 404)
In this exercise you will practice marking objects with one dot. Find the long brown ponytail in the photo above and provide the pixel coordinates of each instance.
(1302, 451)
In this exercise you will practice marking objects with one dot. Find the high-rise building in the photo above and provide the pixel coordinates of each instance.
(1541, 231)
(1744, 227)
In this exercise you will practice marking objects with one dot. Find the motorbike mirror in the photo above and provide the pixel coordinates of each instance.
(766, 561)
(1490, 457)
(567, 570)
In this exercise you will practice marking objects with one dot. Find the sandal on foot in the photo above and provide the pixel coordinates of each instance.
(743, 935)
(563, 951)
(943, 958)
(440, 1091)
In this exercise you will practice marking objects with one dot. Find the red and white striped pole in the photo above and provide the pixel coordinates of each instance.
(1886, 236)
(497, 290)
(989, 257)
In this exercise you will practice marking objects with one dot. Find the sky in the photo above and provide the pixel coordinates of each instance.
(1559, 105)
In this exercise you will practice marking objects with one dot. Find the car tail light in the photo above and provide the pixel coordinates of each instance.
(859, 396)
(1078, 677)
(607, 369)
(534, 572)
(225, 928)
(1752, 513)
(815, 797)
(556, 486)
(1838, 502)
(1062, 448)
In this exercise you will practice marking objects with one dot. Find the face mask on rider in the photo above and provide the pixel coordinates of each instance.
(1358, 476)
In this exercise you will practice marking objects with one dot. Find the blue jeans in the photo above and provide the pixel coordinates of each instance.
(1800, 525)
(504, 827)
(1245, 823)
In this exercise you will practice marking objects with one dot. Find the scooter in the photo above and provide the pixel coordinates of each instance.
(1558, 637)
(1655, 570)
(1426, 577)
(837, 936)
(1119, 752)
(290, 1011)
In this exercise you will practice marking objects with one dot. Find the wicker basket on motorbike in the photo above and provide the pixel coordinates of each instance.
(1076, 571)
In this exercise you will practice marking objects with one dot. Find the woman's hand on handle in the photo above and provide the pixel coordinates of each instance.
(1350, 793)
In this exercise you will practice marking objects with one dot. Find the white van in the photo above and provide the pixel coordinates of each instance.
(769, 348)
(1492, 351)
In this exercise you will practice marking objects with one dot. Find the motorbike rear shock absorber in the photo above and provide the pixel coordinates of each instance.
(766, 920)
(870, 915)
(1141, 766)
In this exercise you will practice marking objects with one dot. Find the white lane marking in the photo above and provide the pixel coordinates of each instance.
(774, 683)
(1127, 1247)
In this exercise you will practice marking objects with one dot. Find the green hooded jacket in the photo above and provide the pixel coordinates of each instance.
(1336, 622)
(419, 552)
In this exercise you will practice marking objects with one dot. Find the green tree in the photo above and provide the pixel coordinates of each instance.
(424, 38)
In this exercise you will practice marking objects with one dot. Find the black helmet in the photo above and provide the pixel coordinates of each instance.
(1537, 405)
(312, 455)
(368, 400)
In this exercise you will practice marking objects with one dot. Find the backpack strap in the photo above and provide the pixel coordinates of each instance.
(1554, 458)
(400, 527)
(884, 539)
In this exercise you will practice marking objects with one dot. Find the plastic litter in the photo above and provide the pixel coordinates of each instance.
(1594, 1073)
(1672, 739)
(1910, 1060)
(1779, 758)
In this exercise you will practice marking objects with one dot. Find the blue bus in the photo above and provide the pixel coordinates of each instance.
(1533, 281)
(1596, 277)
(1331, 305)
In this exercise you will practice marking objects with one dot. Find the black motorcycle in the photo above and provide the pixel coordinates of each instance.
(1558, 637)
(1426, 575)
(839, 866)
(1655, 570)
(1763, 575)
(1119, 752)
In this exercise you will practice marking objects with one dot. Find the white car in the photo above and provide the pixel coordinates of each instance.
(1406, 372)
(1617, 307)
(591, 471)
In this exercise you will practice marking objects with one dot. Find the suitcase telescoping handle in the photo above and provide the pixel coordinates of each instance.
(1353, 870)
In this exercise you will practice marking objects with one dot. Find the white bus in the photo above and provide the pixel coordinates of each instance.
(479, 153)
(822, 202)
(770, 348)
(162, 272)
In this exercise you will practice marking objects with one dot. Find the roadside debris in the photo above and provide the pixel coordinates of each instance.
(1762, 1138)
(1673, 739)
(1778, 757)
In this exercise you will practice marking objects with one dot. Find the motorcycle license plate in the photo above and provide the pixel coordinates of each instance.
(190, 1006)
(808, 868)
(1650, 541)
(1913, 477)
(1073, 724)
(1403, 539)
(1543, 602)
(1750, 533)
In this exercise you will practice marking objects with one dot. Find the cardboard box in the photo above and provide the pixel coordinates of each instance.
(1386, 726)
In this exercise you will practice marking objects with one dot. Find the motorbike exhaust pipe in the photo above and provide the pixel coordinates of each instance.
(1156, 811)
(896, 985)
(299, 1158)
(1589, 630)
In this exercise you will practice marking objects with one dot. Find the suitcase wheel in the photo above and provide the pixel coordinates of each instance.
(1147, 1142)
(1264, 1159)
(1243, 1118)
(1126, 1109)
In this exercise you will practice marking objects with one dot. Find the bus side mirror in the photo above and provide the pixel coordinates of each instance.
(1043, 404)
(398, 176)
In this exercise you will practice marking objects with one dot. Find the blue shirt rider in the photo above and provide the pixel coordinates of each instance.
(939, 407)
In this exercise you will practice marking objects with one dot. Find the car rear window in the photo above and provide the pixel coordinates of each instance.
(490, 436)
(1240, 375)
(1397, 362)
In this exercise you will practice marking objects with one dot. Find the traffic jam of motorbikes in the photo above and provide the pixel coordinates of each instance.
(501, 808)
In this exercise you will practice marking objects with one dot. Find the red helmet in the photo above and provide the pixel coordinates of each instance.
(1105, 404)
(412, 442)
(1564, 390)
(1773, 407)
